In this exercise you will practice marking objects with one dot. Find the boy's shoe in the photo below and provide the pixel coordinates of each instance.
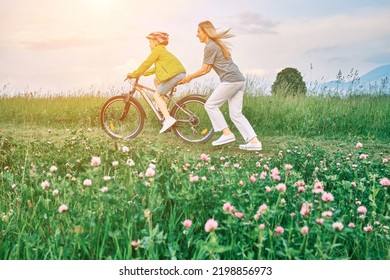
(167, 124)
(251, 147)
(224, 139)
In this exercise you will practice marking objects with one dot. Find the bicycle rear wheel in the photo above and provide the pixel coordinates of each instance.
(120, 119)
(193, 123)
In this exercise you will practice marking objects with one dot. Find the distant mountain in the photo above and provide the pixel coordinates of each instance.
(375, 81)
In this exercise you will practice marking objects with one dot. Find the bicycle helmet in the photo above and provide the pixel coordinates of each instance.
(161, 37)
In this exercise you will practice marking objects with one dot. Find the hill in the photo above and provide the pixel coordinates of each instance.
(376, 81)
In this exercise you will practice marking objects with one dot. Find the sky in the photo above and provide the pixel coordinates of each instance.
(80, 45)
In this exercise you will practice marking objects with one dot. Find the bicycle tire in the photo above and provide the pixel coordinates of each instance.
(193, 123)
(120, 125)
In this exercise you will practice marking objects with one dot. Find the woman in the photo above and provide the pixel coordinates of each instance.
(217, 56)
(168, 69)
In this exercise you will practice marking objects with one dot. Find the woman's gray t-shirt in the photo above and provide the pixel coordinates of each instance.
(225, 68)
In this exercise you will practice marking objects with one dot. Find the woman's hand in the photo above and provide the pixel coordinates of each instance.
(187, 79)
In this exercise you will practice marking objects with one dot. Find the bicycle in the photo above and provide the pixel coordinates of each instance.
(123, 116)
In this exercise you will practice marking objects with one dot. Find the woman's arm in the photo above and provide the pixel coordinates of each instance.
(206, 68)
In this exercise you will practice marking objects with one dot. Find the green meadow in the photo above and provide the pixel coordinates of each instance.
(319, 190)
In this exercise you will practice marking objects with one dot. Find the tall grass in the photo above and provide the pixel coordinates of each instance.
(332, 117)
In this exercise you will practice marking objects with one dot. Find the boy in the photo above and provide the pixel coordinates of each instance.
(168, 69)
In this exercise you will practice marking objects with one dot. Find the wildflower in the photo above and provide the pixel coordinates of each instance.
(45, 185)
(267, 189)
(281, 187)
(305, 209)
(150, 172)
(115, 163)
(275, 174)
(252, 179)
(320, 221)
(55, 193)
(385, 160)
(204, 178)
(239, 214)
(263, 175)
(359, 145)
(305, 230)
(212, 168)
(385, 182)
(104, 189)
(363, 156)
(204, 157)
(353, 184)
(288, 167)
(130, 162)
(299, 183)
(236, 165)
(135, 244)
(107, 178)
(87, 182)
(368, 228)
(211, 225)
(362, 210)
(263, 207)
(63, 208)
(326, 197)
(318, 188)
(187, 223)
(227, 206)
(279, 231)
(95, 161)
(194, 178)
(13, 186)
(261, 227)
(241, 183)
(53, 169)
(327, 214)
(125, 149)
(351, 225)
(338, 226)
(301, 189)
(4, 218)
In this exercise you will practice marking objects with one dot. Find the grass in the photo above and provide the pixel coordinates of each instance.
(143, 190)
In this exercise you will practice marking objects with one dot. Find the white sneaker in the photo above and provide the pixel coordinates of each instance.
(167, 124)
(251, 147)
(224, 139)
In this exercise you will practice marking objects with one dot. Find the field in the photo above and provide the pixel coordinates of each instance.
(319, 189)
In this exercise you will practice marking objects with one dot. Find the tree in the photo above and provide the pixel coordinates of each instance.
(289, 81)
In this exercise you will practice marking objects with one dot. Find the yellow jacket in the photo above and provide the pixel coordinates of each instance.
(166, 65)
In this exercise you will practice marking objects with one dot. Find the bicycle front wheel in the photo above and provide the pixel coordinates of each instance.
(193, 123)
(120, 119)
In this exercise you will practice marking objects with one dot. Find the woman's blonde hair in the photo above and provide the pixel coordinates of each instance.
(208, 28)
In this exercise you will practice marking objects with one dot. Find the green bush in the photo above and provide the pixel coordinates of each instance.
(289, 81)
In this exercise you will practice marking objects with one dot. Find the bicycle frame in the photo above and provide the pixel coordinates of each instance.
(143, 90)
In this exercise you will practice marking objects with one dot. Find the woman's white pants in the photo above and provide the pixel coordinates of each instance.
(234, 94)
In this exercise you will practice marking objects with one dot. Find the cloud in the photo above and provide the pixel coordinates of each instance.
(253, 23)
